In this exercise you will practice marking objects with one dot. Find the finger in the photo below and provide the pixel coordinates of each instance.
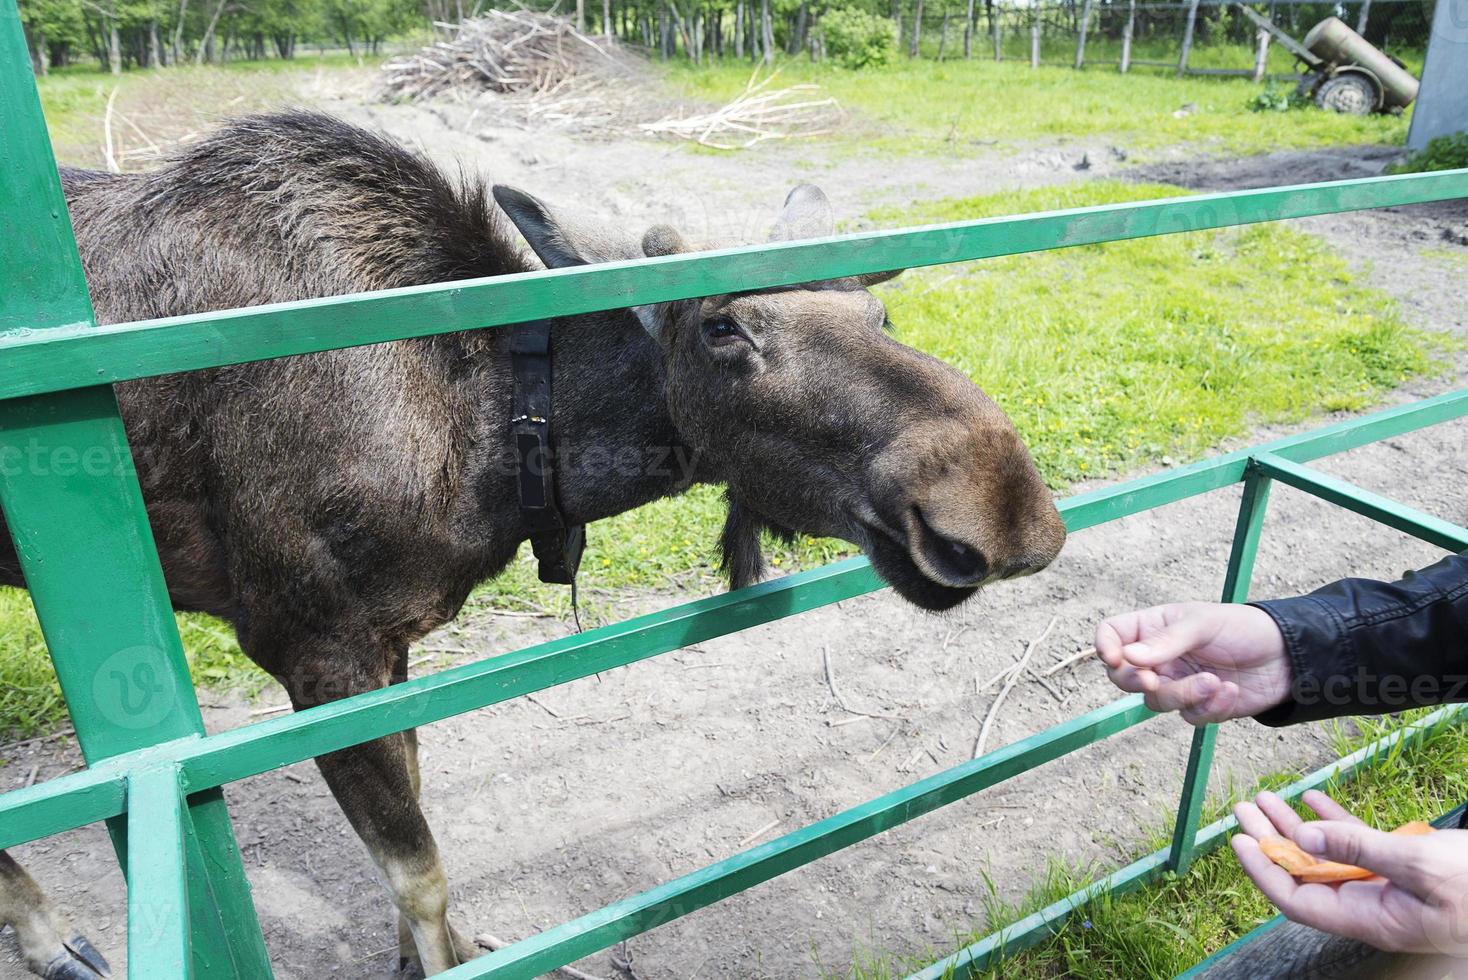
(1275, 882)
(1220, 707)
(1171, 642)
(1190, 692)
(1328, 809)
(1280, 813)
(1393, 856)
(1112, 634)
(1252, 820)
(1129, 679)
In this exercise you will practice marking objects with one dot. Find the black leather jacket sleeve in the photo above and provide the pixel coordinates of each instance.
(1363, 647)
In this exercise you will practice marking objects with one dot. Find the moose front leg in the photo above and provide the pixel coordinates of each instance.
(376, 785)
(51, 948)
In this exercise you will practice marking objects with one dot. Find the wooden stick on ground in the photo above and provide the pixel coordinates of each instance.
(1014, 677)
(1071, 661)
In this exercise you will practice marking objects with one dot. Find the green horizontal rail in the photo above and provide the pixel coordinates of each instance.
(1381, 509)
(63, 803)
(247, 751)
(1041, 925)
(629, 917)
(63, 358)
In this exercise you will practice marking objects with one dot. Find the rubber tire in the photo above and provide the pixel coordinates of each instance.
(1351, 94)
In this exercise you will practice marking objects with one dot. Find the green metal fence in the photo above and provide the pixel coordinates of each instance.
(76, 514)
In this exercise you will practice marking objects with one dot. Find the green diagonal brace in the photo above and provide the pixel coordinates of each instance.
(76, 515)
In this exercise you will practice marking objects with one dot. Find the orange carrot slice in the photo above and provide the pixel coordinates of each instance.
(1287, 854)
(1306, 867)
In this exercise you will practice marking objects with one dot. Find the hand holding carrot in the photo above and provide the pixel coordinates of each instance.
(1417, 900)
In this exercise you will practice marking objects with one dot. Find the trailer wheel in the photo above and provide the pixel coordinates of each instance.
(1351, 93)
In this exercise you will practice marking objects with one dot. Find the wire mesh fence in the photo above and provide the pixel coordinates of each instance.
(1219, 38)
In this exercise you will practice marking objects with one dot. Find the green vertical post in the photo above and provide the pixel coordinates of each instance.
(75, 512)
(157, 887)
(1235, 589)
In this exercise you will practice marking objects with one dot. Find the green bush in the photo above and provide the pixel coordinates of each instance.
(1276, 99)
(858, 39)
(1441, 153)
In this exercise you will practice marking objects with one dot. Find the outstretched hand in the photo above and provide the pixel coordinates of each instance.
(1419, 904)
(1208, 661)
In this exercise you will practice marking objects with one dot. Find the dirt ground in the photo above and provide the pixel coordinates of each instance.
(550, 808)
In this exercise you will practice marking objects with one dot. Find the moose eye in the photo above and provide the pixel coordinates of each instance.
(721, 331)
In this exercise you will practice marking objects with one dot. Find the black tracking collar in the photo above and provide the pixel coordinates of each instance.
(557, 545)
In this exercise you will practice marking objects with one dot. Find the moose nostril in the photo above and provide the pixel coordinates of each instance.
(957, 561)
(965, 560)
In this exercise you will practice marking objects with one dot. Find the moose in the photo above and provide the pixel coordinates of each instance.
(336, 507)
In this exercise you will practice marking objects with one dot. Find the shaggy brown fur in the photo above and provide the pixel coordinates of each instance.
(335, 507)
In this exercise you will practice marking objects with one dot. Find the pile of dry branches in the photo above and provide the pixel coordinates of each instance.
(541, 68)
(505, 51)
(758, 114)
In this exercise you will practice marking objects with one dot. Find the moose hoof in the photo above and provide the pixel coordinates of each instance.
(409, 969)
(78, 960)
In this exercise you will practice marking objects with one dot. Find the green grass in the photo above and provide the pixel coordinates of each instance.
(30, 701)
(1108, 358)
(953, 106)
(1164, 928)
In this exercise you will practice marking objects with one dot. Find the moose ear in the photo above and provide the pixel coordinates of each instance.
(807, 214)
(561, 242)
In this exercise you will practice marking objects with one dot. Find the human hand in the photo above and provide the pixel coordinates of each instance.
(1209, 661)
(1418, 905)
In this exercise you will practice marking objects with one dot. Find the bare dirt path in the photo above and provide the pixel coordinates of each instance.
(610, 785)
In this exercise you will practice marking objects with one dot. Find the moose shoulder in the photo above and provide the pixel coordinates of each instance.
(337, 506)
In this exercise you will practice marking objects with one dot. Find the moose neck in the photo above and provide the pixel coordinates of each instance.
(616, 444)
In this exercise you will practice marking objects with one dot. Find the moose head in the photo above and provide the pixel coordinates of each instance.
(819, 422)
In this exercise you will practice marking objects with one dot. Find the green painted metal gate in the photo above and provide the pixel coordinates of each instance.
(76, 513)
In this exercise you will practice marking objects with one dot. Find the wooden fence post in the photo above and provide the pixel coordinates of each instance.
(1261, 51)
(1126, 36)
(1081, 36)
(1182, 61)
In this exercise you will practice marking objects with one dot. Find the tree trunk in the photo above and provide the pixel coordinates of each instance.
(178, 29)
(739, 28)
(802, 25)
(767, 32)
(968, 30)
(155, 47)
(606, 18)
(40, 56)
(994, 29)
(581, 15)
(943, 33)
(1034, 38)
(917, 30)
(206, 44)
(114, 47)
